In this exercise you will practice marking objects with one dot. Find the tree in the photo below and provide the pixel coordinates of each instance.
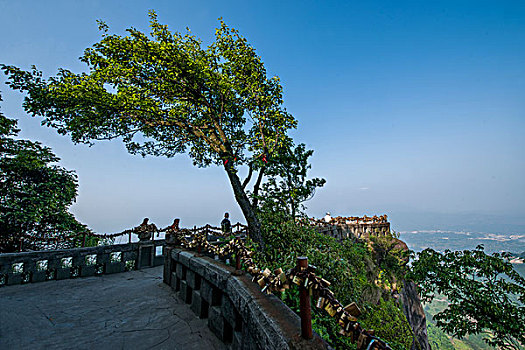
(287, 186)
(389, 251)
(486, 295)
(34, 195)
(166, 94)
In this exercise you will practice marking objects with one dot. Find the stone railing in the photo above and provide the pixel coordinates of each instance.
(237, 311)
(39, 266)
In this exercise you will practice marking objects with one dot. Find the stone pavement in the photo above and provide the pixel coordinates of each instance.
(131, 310)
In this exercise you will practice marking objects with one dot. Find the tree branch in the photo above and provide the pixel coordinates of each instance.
(248, 178)
(257, 186)
(134, 131)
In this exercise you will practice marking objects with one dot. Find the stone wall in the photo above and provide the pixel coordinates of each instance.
(353, 230)
(237, 311)
(39, 266)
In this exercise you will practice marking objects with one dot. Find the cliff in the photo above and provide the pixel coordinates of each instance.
(415, 315)
(389, 256)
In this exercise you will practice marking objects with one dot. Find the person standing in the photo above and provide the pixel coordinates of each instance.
(226, 225)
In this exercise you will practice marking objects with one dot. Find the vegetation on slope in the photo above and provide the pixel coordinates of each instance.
(350, 267)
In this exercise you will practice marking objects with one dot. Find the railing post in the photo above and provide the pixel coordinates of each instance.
(238, 271)
(129, 237)
(237, 261)
(305, 310)
(199, 247)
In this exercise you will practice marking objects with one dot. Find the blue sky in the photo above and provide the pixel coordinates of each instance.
(415, 109)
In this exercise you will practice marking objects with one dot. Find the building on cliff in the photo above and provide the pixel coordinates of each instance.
(353, 227)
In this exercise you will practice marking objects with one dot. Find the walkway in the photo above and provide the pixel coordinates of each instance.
(131, 310)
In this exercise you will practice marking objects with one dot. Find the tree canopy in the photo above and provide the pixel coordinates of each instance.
(486, 295)
(34, 194)
(166, 93)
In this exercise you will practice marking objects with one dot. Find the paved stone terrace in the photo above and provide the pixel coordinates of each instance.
(132, 310)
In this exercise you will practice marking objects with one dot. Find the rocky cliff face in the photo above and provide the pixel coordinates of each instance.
(415, 315)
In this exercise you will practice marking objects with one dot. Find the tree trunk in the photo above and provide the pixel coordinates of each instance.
(254, 226)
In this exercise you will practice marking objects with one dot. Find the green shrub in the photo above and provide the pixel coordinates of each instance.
(389, 322)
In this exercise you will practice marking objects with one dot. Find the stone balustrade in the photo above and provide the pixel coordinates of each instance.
(39, 266)
(237, 311)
